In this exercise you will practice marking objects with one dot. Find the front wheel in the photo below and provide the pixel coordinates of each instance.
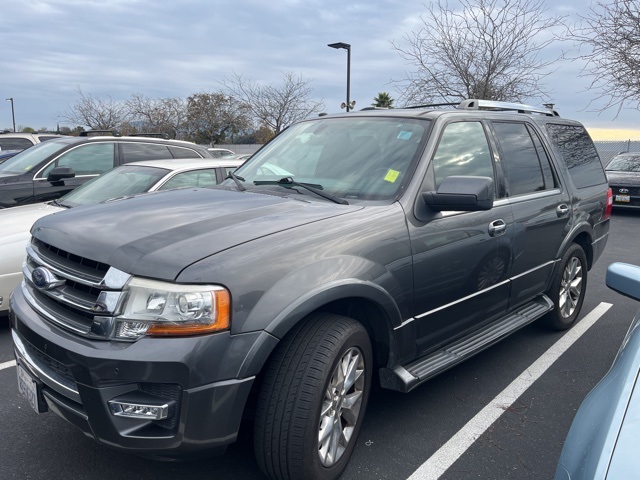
(313, 398)
(568, 288)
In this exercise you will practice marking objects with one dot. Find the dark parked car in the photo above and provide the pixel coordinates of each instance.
(49, 170)
(394, 242)
(623, 173)
(603, 440)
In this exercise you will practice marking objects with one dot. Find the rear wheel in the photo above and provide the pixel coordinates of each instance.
(568, 289)
(313, 398)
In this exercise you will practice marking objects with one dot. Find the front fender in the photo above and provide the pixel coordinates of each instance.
(310, 287)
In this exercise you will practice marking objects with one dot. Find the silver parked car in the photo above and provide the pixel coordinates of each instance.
(603, 440)
(123, 181)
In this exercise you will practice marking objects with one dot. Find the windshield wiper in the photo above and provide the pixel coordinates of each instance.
(56, 203)
(288, 182)
(238, 181)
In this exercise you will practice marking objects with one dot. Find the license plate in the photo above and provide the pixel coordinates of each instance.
(27, 387)
(623, 198)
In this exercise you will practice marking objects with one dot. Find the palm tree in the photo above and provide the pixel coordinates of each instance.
(383, 100)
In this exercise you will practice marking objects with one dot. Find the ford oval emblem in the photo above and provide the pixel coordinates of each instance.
(44, 279)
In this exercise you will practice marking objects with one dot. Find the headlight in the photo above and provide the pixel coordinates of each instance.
(156, 308)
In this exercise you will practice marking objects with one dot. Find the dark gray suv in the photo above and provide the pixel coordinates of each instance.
(394, 243)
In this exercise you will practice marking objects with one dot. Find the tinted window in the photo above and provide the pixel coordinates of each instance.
(133, 152)
(196, 178)
(88, 159)
(463, 150)
(520, 158)
(579, 153)
(118, 182)
(15, 143)
(30, 158)
(181, 152)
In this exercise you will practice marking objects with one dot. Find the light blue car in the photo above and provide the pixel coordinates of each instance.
(604, 436)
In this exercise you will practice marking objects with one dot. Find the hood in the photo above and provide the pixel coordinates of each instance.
(159, 234)
(626, 179)
(17, 221)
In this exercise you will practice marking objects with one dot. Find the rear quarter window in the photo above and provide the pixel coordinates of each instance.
(579, 154)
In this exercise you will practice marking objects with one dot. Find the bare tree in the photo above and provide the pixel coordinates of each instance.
(610, 34)
(276, 106)
(97, 114)
(164, 115)
(211, 117)
(487, 49)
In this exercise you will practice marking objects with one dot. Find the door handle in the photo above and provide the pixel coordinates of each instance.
(497, 228)
(562, 210)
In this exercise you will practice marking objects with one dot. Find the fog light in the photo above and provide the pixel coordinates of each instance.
(139, 410)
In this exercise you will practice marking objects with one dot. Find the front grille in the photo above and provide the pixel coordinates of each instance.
(65, 288)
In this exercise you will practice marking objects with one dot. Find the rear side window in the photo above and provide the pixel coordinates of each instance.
(181, 152)
(521, 156)
(133, 152)
(579, 153)
(15, 143)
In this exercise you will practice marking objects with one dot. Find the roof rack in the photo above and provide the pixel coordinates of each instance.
(435, 105)
(151, 134)
(475, 104)
(93, 133)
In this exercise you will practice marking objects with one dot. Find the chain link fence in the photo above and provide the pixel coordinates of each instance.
(607, 149)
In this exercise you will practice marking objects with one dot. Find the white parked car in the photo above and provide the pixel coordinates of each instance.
(123, 181)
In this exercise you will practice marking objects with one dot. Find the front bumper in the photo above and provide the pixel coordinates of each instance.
(197, 376)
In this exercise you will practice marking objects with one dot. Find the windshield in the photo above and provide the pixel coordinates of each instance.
(118, 182)
(351, 158)
(625, 163)
(27, 159)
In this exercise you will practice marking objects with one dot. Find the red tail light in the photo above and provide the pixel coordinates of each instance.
(609, 207)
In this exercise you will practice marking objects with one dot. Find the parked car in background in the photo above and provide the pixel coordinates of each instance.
(122, 181)
(22, 141)
(623, 174)
(220, 152)
(603, 440)
(51, 169)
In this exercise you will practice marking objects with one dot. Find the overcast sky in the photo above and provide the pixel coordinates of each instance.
(162, 49)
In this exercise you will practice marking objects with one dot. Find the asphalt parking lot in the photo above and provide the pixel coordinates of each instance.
(465, 424)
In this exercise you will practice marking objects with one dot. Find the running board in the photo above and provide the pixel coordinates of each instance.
(404, 378)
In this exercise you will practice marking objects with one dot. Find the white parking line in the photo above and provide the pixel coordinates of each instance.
(441, 460)
(10, 364)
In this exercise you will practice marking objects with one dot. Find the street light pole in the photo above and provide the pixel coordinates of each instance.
(347, 47)
(13, 113)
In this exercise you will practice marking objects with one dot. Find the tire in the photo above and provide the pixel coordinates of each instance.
(568, 287)
(294, 406)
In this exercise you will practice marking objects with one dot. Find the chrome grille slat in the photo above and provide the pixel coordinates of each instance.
(69, 291)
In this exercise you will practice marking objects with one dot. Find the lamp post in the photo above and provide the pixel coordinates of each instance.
(13, 114)
(346, 47)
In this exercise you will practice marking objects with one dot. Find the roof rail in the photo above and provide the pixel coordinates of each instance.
(475, 104)
(92, 133)
(435, 105)
(151, 134)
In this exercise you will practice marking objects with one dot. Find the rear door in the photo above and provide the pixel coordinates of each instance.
(541, 207)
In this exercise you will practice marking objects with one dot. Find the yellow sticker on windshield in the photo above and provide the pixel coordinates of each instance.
(392, 175)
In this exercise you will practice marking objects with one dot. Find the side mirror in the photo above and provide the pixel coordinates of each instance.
(461, 194)
(60, 173)
(624, 278)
